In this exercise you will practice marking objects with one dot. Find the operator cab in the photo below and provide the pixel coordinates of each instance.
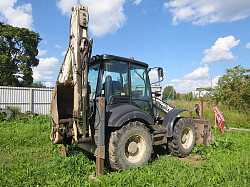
(120, 81)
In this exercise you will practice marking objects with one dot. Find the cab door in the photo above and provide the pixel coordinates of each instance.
(140, 88)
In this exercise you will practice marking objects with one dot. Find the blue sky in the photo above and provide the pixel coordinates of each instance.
(193, 40)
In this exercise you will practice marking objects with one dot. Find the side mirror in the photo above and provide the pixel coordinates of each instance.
(160, 73)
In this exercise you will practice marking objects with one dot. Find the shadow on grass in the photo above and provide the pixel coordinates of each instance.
(74, 150)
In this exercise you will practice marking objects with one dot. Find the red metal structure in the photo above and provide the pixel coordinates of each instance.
(221, 121)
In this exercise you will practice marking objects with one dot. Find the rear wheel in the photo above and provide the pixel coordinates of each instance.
(130, 146)
(184, 137)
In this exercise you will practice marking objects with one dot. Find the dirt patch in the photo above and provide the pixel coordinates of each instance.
(162, 151)
(194, 159)
(5, 160)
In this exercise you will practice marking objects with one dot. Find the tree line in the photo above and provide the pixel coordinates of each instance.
(232, 90)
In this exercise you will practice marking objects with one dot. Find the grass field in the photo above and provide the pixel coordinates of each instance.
(232, 117)
(27, 158)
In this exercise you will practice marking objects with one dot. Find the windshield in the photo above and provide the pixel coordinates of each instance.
(114, 82)
(115, 79)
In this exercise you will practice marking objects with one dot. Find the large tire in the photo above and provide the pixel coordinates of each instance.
(184, 137)
(130, 146)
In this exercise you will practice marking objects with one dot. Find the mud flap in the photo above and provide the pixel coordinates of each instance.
(168, 122)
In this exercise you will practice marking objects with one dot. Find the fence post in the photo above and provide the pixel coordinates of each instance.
(31, 103)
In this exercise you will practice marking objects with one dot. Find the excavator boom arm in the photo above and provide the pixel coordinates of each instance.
(70, 96)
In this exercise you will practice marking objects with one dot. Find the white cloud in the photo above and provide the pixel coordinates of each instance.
(248, 46)
(176, 80)
(45, 69)
(137, 2)
(63, 53)
(49, 84)
(42, 52)
(201, 72)
(203, 12)
(153, 76)
(220, 51)
(215, 81)
(18, 16)
(58, 46)
(106, 16)
(199, 78)
(66, 5)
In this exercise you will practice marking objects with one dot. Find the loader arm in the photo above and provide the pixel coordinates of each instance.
(70, 95)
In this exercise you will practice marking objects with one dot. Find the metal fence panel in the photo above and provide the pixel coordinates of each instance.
(27, 99)
(33, 99)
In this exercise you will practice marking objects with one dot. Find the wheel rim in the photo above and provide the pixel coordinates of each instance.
(135, 148)
(187, 137)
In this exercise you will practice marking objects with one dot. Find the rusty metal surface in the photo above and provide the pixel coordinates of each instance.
(203, 131)
(85, 139)
(197, 111)
(100, 152)
(56, 136)
(99, 166)
(54, 110)
(100, 135)
(201, 107)
(64, 121)
(88, 146)
(64, 150)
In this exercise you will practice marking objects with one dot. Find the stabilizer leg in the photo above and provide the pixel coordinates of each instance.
(64, 150)
(99, 166)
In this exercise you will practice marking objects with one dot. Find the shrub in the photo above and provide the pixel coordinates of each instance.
(233, 89)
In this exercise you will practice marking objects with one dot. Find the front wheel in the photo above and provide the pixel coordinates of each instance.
(130, 146)
(184, 137)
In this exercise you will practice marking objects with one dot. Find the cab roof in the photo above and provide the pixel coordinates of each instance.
(97, 58)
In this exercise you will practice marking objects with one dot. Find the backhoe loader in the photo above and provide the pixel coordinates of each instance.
(104, 104)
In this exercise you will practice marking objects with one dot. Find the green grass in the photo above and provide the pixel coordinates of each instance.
(233, 118)
(27, 158)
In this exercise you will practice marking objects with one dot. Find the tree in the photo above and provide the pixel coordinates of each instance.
(18, 51)
(233, 89)
(169, 93)
(37, 85)
(178, 96)
(189, 96)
